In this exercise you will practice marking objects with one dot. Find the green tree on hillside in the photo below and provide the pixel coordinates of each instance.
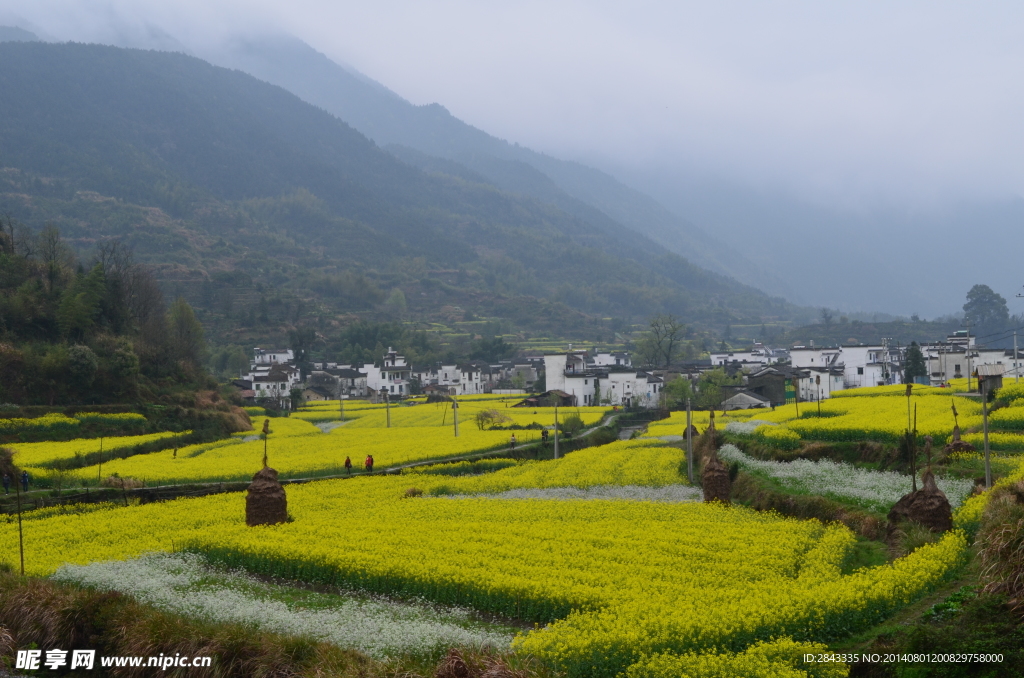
(186, 343)
(677, 392)
(986, 310)
(710, 393)
(916, 366)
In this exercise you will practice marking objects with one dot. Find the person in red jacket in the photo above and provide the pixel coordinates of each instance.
(348, 465)
(368, 463)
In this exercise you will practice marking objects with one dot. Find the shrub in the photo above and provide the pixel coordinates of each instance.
(1002, 544)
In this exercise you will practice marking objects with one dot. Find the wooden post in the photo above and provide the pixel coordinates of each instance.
(689, 442)
(21, 538)
(556, 429)
(984, 415)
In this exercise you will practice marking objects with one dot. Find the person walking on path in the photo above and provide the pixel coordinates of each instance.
(369, 463)
(348, 465)
(24, 481)
(512, 442)
(7, 484)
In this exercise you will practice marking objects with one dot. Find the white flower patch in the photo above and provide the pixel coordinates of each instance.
(877, 490)
(184, 583)
(746, 428)
(667, 493)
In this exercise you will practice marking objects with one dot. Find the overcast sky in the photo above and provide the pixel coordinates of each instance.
(869, 101)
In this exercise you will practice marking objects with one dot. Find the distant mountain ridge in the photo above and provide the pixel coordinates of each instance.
(241, 191)
(389, 120)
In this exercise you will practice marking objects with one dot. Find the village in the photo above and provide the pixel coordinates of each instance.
(761, 376)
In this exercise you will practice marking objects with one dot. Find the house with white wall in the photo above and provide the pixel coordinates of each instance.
(758, 355)
(577, 374)
(391, 376)
(273, 357)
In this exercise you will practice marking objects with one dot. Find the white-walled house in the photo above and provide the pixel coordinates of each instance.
(273, 357)
(620, 359)
(758, 355)
(391, 376)
(821, 381)
(275, 383)
(577, 374)
(810, 356)
(470, 379)
(871, 365)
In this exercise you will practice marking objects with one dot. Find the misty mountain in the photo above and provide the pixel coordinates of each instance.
(390, 120)
(887, 258)
(15, 34)
(240, 192)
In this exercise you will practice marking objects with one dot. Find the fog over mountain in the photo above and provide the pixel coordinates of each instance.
(863, 157)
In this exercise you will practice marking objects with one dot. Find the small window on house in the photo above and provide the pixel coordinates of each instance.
(860, 370)
(956, 368)
(585, 382)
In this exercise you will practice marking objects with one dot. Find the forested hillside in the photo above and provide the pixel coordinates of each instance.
(391, 121)
(268, 213)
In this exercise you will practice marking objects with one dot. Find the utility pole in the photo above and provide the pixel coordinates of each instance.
(817, 382)
(556, 428)
(1016, 366)
(967, 354)
(689, 443)
(796, 396)
(21, 538)
(455, 413)
(387, 406)
(99, 468)
(984, 416)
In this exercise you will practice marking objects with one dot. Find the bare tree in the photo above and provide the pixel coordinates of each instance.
(56, 258)
(663, 342)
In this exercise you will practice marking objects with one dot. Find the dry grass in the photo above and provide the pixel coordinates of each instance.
(413, 492)
(1001, 540)
(908, 537)
(121, 483)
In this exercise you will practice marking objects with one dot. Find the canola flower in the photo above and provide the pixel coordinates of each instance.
(440, 414)
(296, 453)
(782, 658)
(280, 427)
(676, 423)
(626, 462)
(615, 580)
(48, 423)
(1007, 419)
(999, 441)
(47, 453)
(968, 516)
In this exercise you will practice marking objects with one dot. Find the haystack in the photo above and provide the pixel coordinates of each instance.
(927, 506)
(709, 441)
(714, 480)
(958, 445)
(265, 503)
(694, 433)
(452, 666)
(7, 465)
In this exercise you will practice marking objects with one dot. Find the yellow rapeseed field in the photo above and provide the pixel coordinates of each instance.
(45, 453)
(615, 580)
(296, 453)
